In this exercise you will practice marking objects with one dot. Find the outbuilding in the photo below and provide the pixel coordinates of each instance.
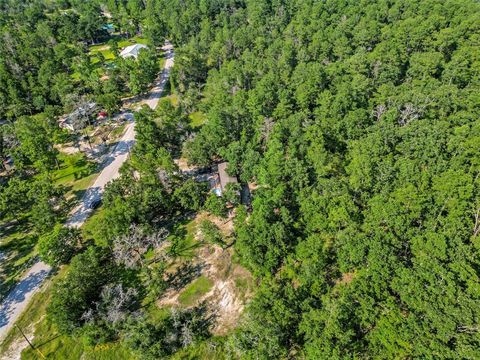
(132, 51)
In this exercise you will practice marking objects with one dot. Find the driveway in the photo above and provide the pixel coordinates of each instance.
(16, 302)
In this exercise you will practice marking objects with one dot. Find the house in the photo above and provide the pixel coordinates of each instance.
(132, 51)
(74, 120)
(224, 178)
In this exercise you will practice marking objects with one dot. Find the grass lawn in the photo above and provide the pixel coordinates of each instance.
(133, 40)
(195, 291)
(140, 40)
(76, 173)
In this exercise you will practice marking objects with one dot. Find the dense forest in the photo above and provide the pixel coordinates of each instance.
(357, 124)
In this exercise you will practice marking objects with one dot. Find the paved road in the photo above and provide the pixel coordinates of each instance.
(16, 302)
(111, 170)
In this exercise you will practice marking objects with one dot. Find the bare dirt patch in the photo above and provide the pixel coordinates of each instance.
(232, 285)
(346, 278)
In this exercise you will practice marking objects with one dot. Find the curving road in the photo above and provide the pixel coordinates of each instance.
(16, 302)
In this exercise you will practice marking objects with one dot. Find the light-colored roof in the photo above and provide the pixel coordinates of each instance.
(224, 177)
(132, 50)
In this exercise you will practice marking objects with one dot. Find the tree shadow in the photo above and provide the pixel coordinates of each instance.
(184, 275)
(11, 266)
(19, 294)
(204, 317)
(14, 226)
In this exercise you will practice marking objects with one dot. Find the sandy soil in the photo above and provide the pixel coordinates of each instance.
(225, 300)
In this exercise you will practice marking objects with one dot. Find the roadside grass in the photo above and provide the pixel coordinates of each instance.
(197, 119)
(162, 61)
(34, 313)
(194, 291)
(92, 228)
(47, 339)
(117, 132)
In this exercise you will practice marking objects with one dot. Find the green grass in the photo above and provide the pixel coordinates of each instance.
(139, 40)
(72, 168)
(104, 50)
(117, 132)
(92, 228)
(131, 41)
(194, 291)
(211, 349)
(197, 119)
(182, 238)
(76, 173)
(162, 61)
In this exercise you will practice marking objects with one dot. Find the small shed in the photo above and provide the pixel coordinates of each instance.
(224, 177)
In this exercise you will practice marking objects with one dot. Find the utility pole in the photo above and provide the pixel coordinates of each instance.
(29, 343)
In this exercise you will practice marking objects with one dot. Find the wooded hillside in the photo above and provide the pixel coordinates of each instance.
(359, 122)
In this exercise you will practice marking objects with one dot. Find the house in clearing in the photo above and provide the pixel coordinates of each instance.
(132, 51)
(79, 117)
(216, 177)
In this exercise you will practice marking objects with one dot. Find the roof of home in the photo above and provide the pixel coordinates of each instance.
(87, 109)
(132, 50)
(224, 177)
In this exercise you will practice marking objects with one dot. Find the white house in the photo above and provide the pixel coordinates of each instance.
(132, 51)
